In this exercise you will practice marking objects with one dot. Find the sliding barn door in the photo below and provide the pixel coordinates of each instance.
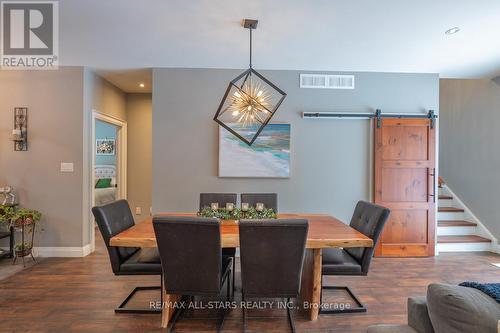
(405, 182)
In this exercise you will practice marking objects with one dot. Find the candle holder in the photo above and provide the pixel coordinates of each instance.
(229, 206)
(259, 206)
(245, 206)
(214, 205)
(20, 131)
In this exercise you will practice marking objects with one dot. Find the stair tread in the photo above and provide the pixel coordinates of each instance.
(445, 197)
(456, 223)
(450, 210)
(462, 239)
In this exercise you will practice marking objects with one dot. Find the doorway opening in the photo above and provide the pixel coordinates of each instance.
(109, 162)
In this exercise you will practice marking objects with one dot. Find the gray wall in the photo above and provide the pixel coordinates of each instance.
(102, 96)
(60, 103)
(105, 97)
(470, 138)
(139, 169)
(330, 162)
(136, 110)
(55, 128)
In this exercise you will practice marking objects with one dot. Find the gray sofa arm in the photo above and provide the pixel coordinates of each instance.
(418, 317)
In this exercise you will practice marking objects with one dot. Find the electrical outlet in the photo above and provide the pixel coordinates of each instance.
(138, 210)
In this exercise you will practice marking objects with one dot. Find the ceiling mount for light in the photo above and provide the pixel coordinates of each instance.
(250, 101)
(452, 31)
(250, 24)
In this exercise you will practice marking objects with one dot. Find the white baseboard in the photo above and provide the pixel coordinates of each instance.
(88, 249)
(63, 252)
(495, 247)
(464, 247)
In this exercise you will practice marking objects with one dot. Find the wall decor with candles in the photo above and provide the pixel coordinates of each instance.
(20, 131)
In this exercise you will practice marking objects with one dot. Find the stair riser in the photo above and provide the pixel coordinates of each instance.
(447, 216)
(445, 203)
(456, 231)
(463, 247)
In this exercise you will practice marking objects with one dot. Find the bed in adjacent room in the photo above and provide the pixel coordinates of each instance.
(105, 190)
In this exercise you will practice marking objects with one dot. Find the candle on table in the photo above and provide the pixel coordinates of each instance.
(214, 205)
(229, 206)
(244, 206)
(259, 206)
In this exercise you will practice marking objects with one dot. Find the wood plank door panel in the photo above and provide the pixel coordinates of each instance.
(404, 182)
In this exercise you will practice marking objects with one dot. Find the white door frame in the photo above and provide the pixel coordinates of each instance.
(121, 163)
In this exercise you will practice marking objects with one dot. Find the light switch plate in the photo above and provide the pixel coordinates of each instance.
(67, 167)
(138, 210)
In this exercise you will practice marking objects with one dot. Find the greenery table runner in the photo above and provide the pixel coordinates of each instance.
(238, 214)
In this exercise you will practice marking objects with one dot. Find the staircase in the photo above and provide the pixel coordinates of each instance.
(457, 229)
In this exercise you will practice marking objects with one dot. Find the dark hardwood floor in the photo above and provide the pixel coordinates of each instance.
(79, 295)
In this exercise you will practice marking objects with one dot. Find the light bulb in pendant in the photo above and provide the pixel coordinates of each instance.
(259, 93)
(249, 108)
(235, 113)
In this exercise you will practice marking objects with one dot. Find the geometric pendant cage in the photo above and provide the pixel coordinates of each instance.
(250, 101)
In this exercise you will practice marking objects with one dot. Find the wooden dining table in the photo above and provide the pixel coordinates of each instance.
(324, 232)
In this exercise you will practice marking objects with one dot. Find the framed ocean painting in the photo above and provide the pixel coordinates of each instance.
(268, 157)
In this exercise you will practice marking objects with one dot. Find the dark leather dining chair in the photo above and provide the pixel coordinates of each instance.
(191, 256)
(206, 199)
(112, 219)
(369, 219)
(272, 257)
(270, 200)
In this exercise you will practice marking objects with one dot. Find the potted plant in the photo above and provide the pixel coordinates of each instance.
(25, 217)
(6, 213)
(25, 220)
(23, 249)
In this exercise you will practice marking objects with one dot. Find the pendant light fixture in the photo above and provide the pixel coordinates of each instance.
(250, 101)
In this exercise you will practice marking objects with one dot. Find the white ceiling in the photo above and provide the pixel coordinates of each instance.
(129, 80)
(340, 35)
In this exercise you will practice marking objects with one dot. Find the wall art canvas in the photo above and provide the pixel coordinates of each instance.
(105, 146)
(268, 157)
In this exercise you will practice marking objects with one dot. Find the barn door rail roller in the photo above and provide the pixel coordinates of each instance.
(378, 115)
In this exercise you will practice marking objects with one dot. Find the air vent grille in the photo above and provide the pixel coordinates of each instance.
(325, 81)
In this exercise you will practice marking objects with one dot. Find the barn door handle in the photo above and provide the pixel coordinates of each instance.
(433, 174)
